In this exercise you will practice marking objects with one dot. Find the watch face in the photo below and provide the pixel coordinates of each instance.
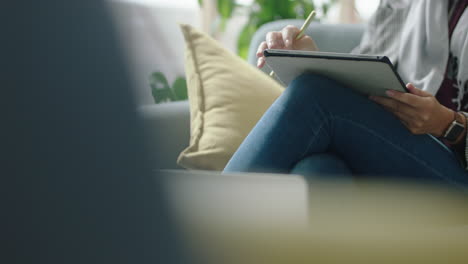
(455, 132)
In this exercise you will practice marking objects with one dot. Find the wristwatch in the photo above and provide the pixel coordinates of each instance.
(455, 129)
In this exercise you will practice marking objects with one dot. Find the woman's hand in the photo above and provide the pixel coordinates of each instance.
(285, 39)
(418, 110)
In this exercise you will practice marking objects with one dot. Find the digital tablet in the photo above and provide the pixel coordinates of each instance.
(366, 74)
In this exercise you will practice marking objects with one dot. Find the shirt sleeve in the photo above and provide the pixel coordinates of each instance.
(383, 31)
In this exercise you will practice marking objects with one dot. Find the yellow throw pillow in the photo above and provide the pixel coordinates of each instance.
(227, 97)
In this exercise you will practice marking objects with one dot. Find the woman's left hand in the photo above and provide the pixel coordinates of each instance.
(418, 110)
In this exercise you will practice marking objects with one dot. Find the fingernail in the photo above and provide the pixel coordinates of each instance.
(389, 93)
(410, 86)
(258, 63)
(287, 43)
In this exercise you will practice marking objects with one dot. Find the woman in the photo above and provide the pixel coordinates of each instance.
(327, 127)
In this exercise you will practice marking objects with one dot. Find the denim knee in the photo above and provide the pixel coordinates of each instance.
(322, 164)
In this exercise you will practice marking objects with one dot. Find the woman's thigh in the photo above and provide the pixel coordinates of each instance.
(317, 115)
(368, 138)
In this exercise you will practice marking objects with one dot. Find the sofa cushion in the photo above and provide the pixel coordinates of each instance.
(227, 97)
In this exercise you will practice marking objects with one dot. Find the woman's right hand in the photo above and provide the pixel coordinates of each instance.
(284, 39)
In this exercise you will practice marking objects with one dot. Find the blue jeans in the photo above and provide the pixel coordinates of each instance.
(320, 124)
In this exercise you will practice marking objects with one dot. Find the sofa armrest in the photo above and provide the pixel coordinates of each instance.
(167, 128)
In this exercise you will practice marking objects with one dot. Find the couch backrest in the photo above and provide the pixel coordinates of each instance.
(329, 37)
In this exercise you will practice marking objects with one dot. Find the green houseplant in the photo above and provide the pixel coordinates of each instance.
(259, 13)
(163, 92)
(264, 11)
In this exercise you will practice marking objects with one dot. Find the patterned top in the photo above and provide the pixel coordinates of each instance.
(406, 39)
(452, 91)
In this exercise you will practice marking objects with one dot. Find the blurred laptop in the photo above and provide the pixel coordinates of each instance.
(268, 218)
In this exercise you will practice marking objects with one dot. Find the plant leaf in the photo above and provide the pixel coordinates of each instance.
(245, 37)
(158, 80)
(284, 9)
(223, 24)
(161, 95)
(225, 8)
(160, 88)
(200, 2)
(180, 89)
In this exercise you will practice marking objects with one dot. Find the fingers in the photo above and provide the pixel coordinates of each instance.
(407, 116)
(405, 119)
(412, 98)
(306, 43)
(395, 106)
(417, 91)
(263, 46)
(261, 60)
(289, 34)
(274, 40)
(406, 98)
(418, 110)
(284, 39)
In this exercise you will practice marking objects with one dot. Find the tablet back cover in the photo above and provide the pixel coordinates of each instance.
(369, 77)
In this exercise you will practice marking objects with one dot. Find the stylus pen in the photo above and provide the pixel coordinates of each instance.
(302, 31)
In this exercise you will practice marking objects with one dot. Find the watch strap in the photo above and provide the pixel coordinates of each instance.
(455, 129)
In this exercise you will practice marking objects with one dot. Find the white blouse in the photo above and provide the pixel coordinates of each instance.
(418, 44)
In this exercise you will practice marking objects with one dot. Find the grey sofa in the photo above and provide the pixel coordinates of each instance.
(171, 121)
